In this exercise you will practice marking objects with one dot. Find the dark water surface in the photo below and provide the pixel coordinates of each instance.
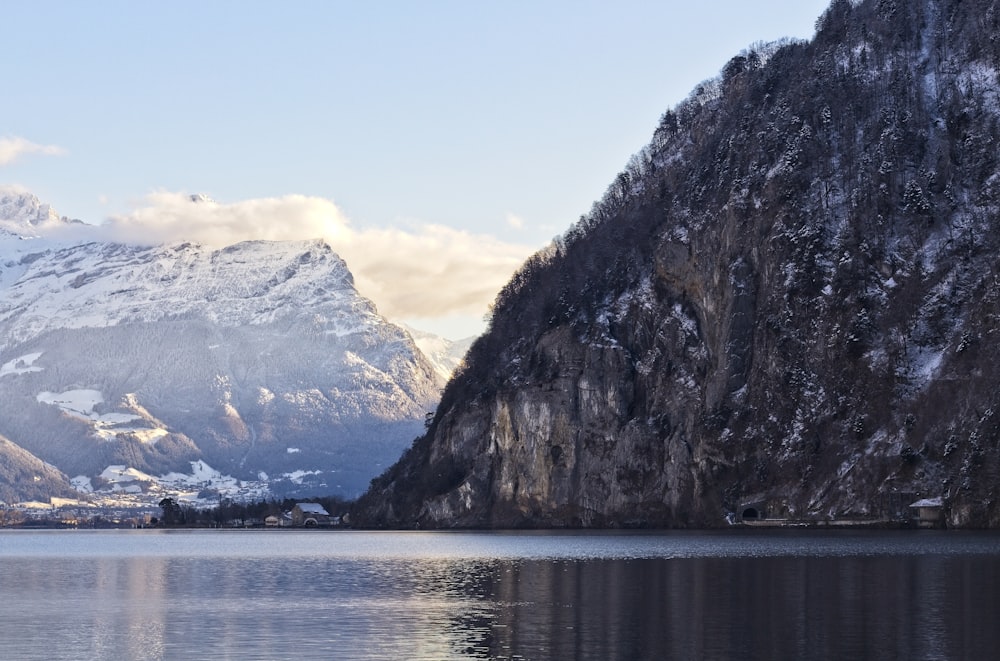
(420, 595)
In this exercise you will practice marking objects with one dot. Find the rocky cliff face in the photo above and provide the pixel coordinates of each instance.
(786, 305)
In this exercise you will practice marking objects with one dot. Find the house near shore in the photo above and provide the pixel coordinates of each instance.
(310, 515)
(929, 512)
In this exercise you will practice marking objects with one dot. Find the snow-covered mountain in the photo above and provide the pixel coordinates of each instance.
(445, 355)
(20, 211)
(259, 361)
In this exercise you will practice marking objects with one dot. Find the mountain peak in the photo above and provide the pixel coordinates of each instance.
(18, 206)
(444, 354)
(22, 213)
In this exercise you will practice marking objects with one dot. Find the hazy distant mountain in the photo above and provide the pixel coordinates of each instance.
(445, 355)
(787, 304)
(259, 359)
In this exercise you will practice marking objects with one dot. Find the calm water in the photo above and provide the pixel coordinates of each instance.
(419, 595)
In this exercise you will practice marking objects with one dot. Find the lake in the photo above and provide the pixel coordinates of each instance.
(767, 594)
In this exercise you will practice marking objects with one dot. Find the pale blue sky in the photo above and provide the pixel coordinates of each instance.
(504, 121)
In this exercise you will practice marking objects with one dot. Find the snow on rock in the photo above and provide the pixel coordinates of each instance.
(21, 212)
(251, 283)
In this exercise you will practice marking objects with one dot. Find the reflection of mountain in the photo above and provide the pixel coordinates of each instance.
(144, 581)
(259, 359)
(198, 594)
(739, 607)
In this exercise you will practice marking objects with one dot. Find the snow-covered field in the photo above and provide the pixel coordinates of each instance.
(80, 404)
(21, 365)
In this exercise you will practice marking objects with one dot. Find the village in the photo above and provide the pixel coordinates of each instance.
(902, 510)
(171, 514)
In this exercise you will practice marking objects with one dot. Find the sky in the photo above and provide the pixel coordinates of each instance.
(434, 144)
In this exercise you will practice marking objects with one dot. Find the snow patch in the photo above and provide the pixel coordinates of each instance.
(343, 330)
(264, 396)
(924, 363)
(35, 505)
(122, 474)
(147, 436)
(689, 325)
(296, 477)
(21, 365)
(190, 488)
(68, 502)
(205, 478)
(82, 483)
(107, 426)
(78, 403)
(201, 473)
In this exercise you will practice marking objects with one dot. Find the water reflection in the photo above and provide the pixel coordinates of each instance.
(441, 605)
(767, 608)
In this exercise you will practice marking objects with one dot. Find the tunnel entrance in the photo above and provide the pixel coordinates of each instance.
(750, 513)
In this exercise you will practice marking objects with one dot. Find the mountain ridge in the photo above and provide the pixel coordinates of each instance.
(258, 360)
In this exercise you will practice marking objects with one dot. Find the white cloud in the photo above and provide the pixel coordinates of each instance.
(432, 270)
(515, 221)
(13, 147)
(422, 270)
(167, 216)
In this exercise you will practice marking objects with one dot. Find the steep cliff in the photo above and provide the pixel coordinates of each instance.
(786, 304)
